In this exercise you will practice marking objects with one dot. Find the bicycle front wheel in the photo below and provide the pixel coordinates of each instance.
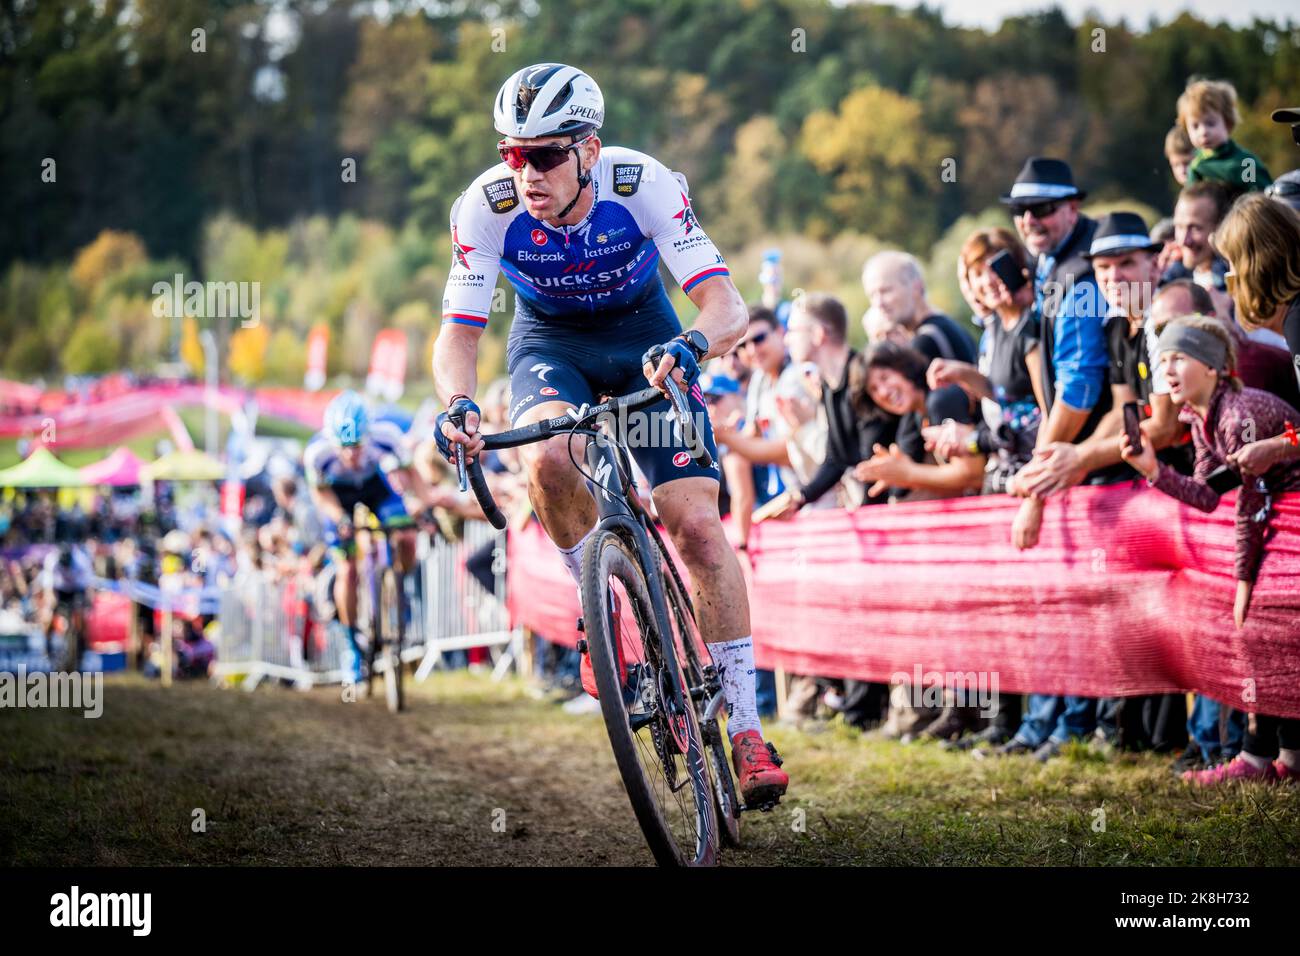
(702, 674)
(648, 711)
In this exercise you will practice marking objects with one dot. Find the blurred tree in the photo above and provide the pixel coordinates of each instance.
(94, 348)
(1010, 117)
(387, 100)
(286, 358)
(745, 200)
(191, 348)
(247, 355)
(885, 168)
(459, 142)
(31, 355)
(111, 253)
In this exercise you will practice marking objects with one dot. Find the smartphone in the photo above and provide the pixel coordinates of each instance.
(1132, 418)
(1223, 479)
(1012, 276)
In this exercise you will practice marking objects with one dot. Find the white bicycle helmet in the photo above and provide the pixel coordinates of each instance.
(549, 99)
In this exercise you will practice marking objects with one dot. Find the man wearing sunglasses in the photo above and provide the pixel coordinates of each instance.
(579, 229)
(1044, 204)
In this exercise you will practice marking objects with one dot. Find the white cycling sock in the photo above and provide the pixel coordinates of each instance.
(735, 659)
(1291, 758)
(572, 558)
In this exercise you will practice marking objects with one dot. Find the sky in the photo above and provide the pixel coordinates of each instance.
(989, 13)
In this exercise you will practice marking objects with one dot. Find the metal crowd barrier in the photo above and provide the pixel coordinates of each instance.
(265, 633)
(458, 612)
(270, 628)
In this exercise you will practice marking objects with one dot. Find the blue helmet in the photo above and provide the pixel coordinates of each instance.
(346, 419)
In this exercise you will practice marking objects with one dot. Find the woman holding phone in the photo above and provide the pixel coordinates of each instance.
(994, 271)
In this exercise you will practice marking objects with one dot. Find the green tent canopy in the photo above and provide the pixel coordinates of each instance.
(41, 469)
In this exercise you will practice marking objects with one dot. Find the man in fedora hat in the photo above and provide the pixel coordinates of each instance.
(1044, 203)
(1291, 117)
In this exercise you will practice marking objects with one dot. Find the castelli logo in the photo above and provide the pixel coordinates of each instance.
(539, 237)
(549, 391)
(680, 459)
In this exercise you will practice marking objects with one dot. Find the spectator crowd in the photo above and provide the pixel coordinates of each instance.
(1109, 350)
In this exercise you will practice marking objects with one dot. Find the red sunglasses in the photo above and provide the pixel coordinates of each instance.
(541, 158)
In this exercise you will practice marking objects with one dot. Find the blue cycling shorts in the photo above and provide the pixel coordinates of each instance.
(575, 369)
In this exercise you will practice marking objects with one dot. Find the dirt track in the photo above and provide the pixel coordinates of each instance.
(473, 773)
(290, 778)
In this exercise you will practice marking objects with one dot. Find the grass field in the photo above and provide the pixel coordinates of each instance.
(286, 777)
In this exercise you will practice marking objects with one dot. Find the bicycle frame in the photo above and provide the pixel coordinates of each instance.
(607, 461)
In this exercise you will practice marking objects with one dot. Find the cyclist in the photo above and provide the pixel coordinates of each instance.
(66, 578)
(355, 461)
(578, 230)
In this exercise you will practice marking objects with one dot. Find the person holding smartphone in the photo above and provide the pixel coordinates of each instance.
(1200, 362)
(995, 271)
(1200, 359)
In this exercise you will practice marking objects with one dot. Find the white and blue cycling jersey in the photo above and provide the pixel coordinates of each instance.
(589, 301)
(383, 450)
(569, 276)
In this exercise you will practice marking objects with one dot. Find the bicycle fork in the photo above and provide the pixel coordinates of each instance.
(614, 513)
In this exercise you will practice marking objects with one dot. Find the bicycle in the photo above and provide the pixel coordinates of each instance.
(68, 620)
(661, 700)
(381, 604)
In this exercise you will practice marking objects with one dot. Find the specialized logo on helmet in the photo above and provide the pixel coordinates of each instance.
(587, 113)
(501, 194)
(627, 177)
(539, 237)
(687, 216)
(459, 250)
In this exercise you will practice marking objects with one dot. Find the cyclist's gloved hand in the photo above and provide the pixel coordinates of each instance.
(457, 414)
(683, 358)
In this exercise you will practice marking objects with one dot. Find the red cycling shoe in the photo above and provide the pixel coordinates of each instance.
(758, 772)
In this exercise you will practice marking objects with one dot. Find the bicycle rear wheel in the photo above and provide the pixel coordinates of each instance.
(394, 630)
(657, 745)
